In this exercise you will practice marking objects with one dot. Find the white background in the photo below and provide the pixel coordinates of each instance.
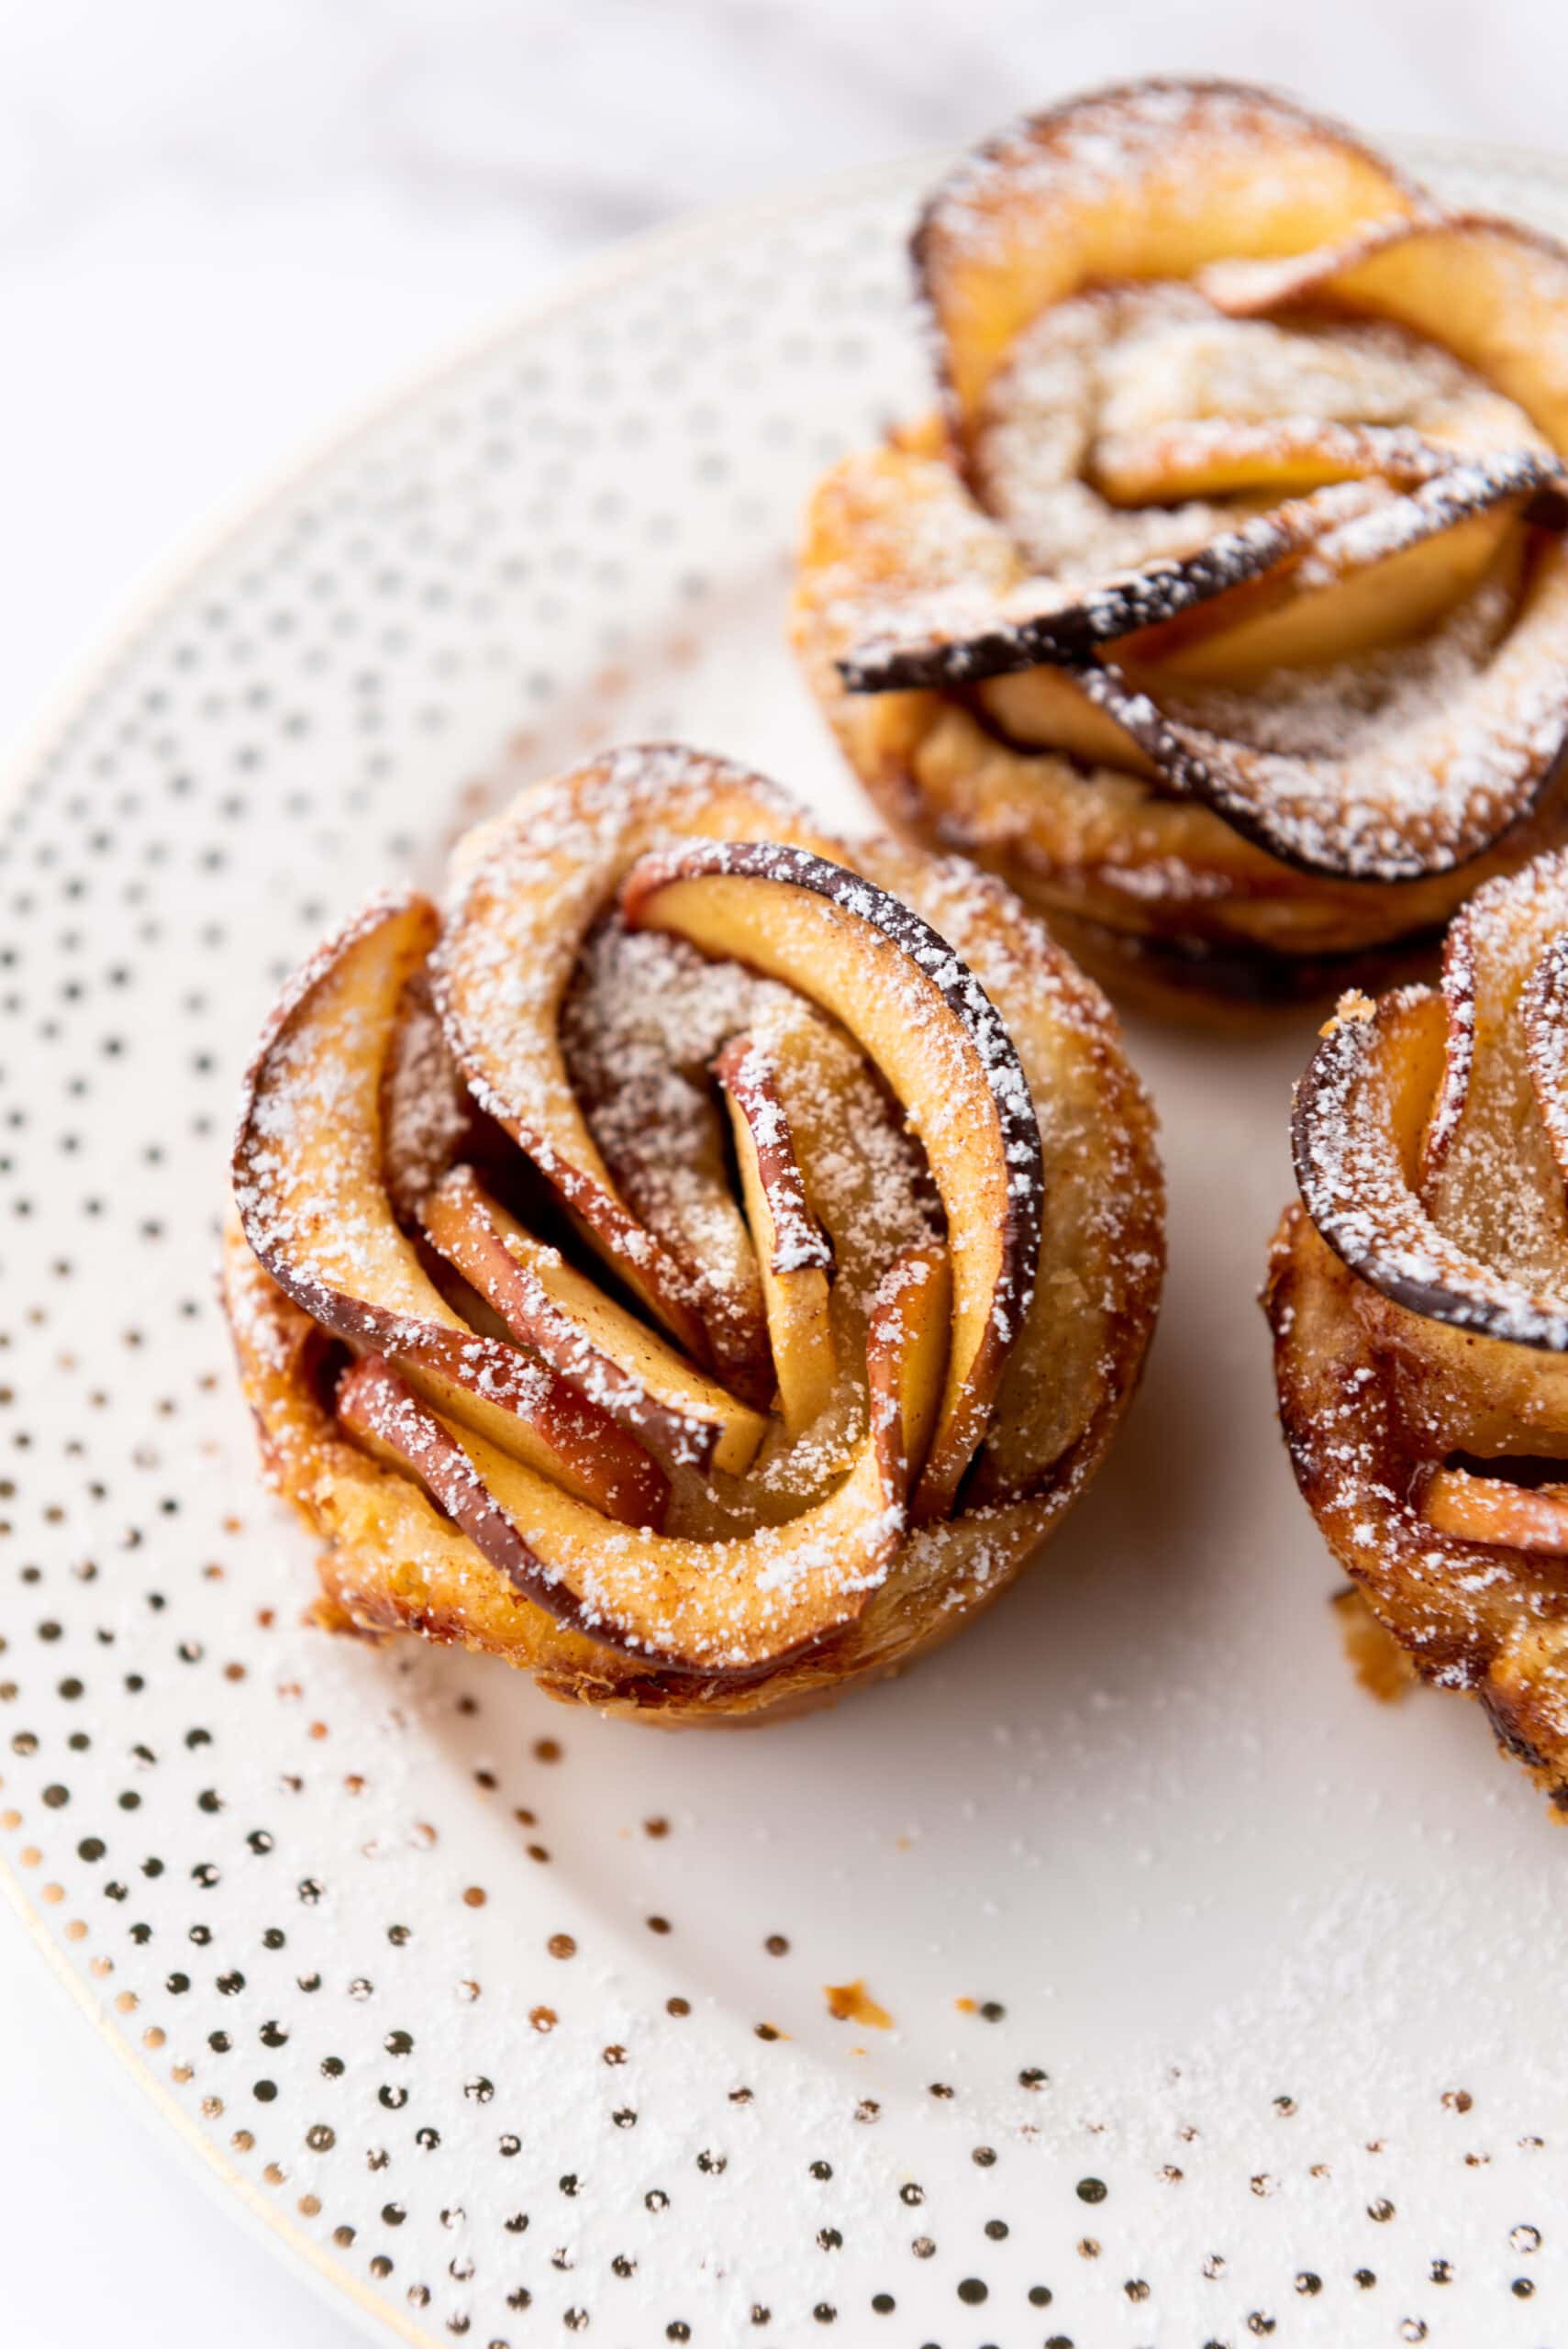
(224, 225)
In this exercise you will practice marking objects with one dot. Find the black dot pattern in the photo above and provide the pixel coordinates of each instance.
(252, 1845)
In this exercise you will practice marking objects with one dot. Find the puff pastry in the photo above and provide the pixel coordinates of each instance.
(700, 1265)
(1418, 1298)
(1223, 606)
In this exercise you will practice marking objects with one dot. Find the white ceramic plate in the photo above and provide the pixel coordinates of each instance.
(1226, 2003)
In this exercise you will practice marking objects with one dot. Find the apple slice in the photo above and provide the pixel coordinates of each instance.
(959, 636)
(794, 1257)
(1382, 577)
(1361, 1119)
(308, 1185)
(1218, 456)
(531, 889)
(1459, 737)
(1492, 292)
(1151, 180)
(639, 1025)
(1490, 1175)
(1349, 567)
(1049, 709)
(606, 1352)
(727, 1609)
(1495, 1510)
(390, 1560)
(377, 1404)
(926, 1022)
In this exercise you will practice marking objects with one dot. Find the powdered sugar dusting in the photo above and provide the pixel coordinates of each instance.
(1192, 487)
(1444, 1189)
(427, 1115)
(1158, 367)
(617, 1032)
(1394, 764)
(1101, 146)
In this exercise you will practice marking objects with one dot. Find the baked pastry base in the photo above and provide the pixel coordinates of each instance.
(390, 1562)
(1490, 1622)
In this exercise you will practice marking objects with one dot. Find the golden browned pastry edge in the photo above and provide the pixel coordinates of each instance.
(1244, 936)
(1474, 1617)
(390, 1562)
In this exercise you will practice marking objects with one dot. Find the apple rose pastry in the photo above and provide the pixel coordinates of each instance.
(1418, 1298)
(1223, 609)
(702, 1264)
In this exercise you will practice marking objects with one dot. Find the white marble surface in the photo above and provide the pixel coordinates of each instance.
(221, 229)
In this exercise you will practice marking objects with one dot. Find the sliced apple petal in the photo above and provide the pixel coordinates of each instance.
(1492, 292)
(1350, 566)
(1265, 286)
(640, 1023)
(532, 887)
(925, 1021)
(1361, 1117)
(1494, 1509)
(959, 635)
(379, 1406)
(794, 1258)
(308, 1185)
(1382, 577)
(603, 1350)
(1544, 1011)
(1049, 709)
(723, 1608)
(1489, 1177)
(1414, 765)
(1218, 456)
(1151, 180)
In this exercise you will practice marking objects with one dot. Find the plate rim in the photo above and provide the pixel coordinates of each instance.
(168, 576)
